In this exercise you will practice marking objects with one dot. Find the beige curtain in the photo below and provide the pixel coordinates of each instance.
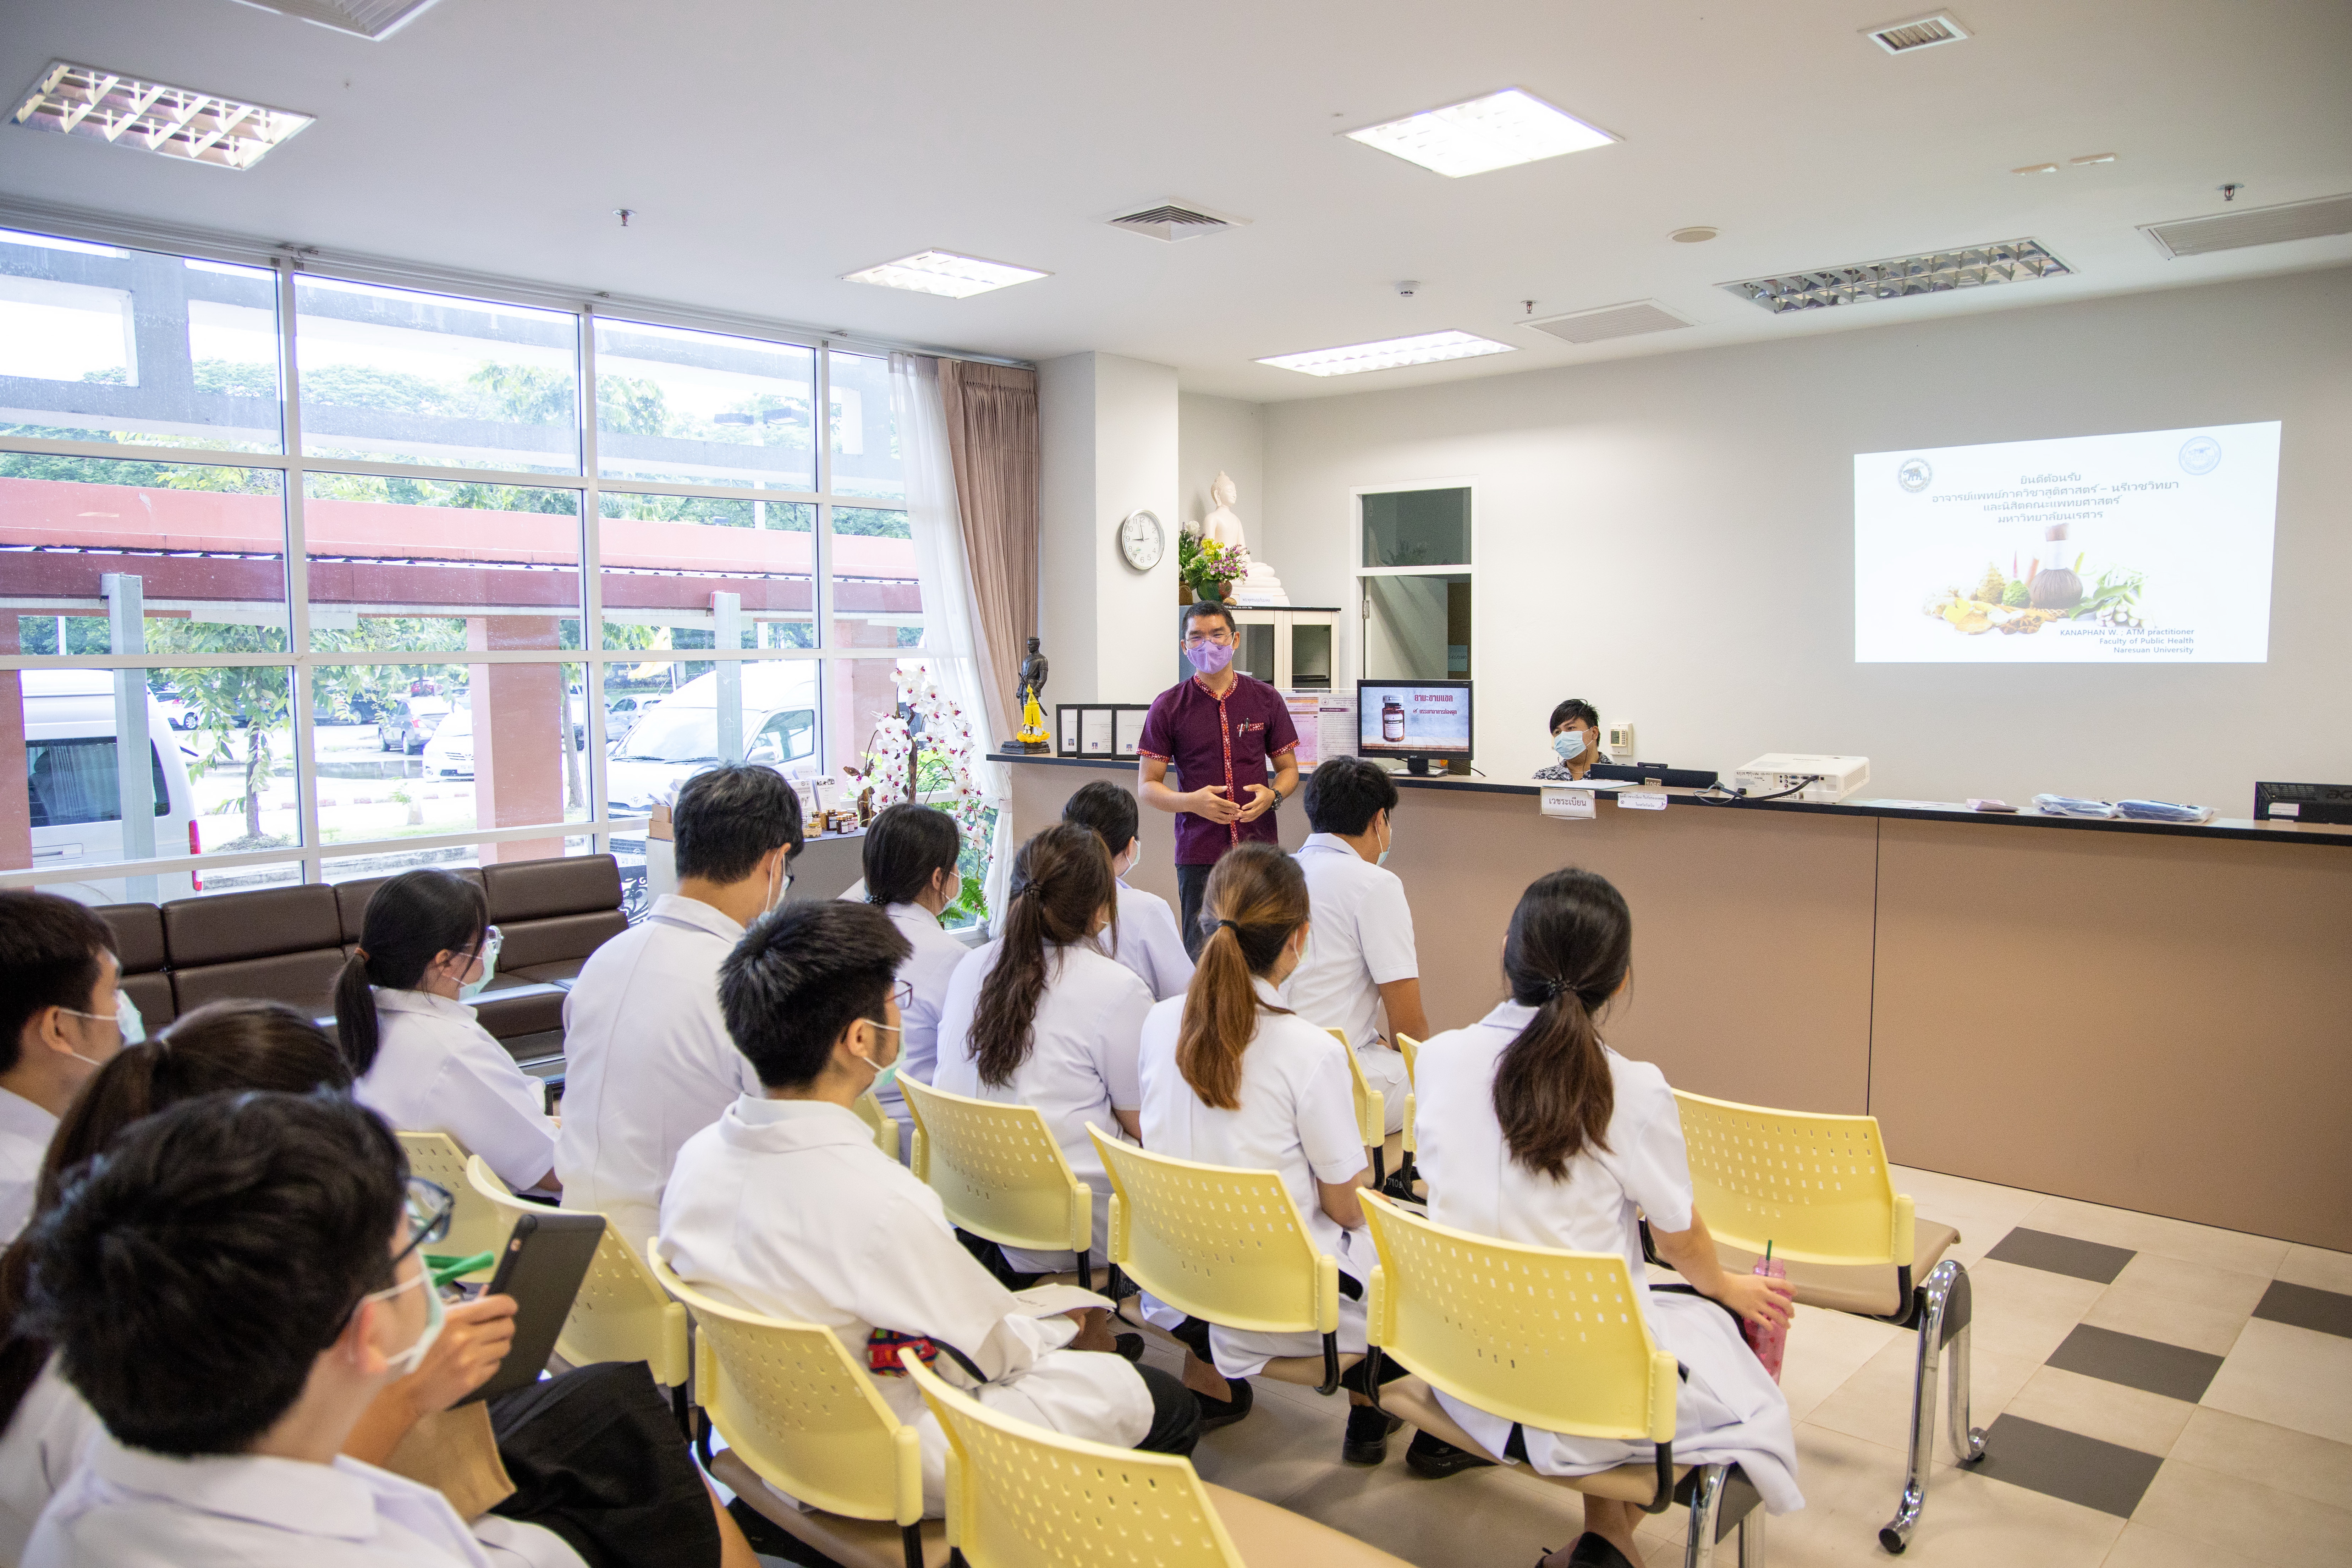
(991, 419)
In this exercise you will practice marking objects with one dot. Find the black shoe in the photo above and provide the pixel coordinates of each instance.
(1366, 1442)
(1591, 1551)
(1130, 1346)
(1437, 1458)
(1216, 1413)
(767, 1537)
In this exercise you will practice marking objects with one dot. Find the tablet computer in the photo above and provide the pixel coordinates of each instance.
(541, 1266)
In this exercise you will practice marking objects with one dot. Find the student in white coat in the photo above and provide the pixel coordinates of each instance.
(422, 1060)
(1360, 973)
(1040, 1018)
(1531, 1129)
(910, 855)
(62, 1016)
(785, 1206)
(1149, 941)
(648, 1063)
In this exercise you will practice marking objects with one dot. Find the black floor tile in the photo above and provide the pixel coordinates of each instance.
(2062, 1255)
(2305, 1307)
(2149, 1364)
(2067, 1465)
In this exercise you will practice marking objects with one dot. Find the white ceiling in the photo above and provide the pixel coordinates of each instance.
(767, 146)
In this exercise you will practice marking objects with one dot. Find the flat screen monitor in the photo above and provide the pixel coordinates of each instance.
(1418, 720)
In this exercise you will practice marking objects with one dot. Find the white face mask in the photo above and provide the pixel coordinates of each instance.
(1570, 744)
(409, 1360)
(1388, 834)
(779, 882)
(884, 1077)
(126, 1020)
(491, 942)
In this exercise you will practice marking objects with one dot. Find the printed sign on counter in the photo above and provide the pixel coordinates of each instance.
(1641, 799)
(1568, 802)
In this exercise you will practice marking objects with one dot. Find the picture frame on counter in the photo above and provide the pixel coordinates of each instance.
(1108, 730)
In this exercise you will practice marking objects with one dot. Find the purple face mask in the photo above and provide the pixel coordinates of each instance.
(1209, 658)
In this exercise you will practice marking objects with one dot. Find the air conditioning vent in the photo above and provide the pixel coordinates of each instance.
(366, 18)
(2255, 225)
(1173, 221)
(1608, 321)
(1936, 272)
(1924, 33)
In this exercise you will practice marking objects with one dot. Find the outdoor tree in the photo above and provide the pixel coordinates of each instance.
(222, 698)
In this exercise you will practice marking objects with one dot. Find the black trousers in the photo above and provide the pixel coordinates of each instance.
(596, 1456)
(1175, 1414)
(1192, 882)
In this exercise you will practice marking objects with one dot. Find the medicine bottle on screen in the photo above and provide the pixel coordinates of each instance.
(1393, 720)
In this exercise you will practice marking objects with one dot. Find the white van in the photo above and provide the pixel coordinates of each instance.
(449, 755)
(70, 783)
(677, 737)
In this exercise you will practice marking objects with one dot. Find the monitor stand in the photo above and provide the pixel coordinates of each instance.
(1417, 766)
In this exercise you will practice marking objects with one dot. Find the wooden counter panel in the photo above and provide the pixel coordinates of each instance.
(2156, 1025)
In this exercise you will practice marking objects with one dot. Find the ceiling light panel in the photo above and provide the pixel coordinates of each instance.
(945, 272)
(1490, 133)
(174, 121)
(362, 18)
(1937, 273)
(1388, 353)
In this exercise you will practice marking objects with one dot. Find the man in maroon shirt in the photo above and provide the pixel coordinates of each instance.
(1221, 730)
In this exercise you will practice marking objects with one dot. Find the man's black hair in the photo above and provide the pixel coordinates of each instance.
(726, 817)
(1574, 707)
(905, 845)
(801, 976)
(49, 950)
(1201, 609)
(192, 1273)
(1345, 794)
(1109, 809)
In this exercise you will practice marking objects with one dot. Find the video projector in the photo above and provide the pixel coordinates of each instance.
(1825, 779)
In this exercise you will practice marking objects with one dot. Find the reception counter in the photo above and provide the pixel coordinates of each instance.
(2147, 1015)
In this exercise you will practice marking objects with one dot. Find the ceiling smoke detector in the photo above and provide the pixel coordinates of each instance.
(1936, 272)
(1173, 221)
(2252, 225)
(1607, 321)
(362, 19)
(1920, 33)
(172, 122)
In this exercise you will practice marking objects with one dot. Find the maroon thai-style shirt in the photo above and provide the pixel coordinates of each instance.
(1212, 740)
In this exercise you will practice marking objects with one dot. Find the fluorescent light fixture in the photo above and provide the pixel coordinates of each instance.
(945, 272)
(1936, 272)
(1388, 353)
(175, 121)
(1490, 133)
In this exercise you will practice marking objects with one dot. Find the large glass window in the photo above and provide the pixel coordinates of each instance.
(671, 562)
(399, 565)
(704, 408)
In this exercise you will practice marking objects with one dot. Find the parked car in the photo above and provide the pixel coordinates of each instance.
(71, 783)
(408, 722)
(621, 712)
(677, 736)
(450, 753)
(176, 712)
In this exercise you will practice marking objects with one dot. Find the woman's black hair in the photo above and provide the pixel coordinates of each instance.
(1061, 881)
(1570, 946)
(1109, 809)
(905, 845)
(410, 920)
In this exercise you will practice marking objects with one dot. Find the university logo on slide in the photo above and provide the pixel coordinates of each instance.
(2200, 454)
(1915, 475)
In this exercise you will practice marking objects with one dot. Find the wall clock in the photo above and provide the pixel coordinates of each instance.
(1141, 540)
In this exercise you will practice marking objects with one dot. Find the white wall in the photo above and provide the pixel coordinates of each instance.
(1214, 434)
(1106, 438)
(1671, 538)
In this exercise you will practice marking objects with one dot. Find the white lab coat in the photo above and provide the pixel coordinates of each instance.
(437, 1071)
(1728, 1409)
(24, 1132)
(1081, 1063)
(1149, 942)
(647, 1061)
(927, 972)
(786, 1207)
(1358, 938)
(1297, 1117)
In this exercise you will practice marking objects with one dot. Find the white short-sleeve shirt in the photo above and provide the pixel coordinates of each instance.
(1151, 943)
(1358, 938)
(26, 1130)
(927, 971)
(40, 1448)
(438, 1070)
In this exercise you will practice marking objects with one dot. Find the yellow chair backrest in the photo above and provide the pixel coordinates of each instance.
(1411, 1050)
(998, 1171)
(1816, 1187)
(621, 1313)
(1534, 1334)
(885, 1132)
(806, 1418)
(1371, 1108)
(475, 1225)
(1221, 1244)
(1020, 1495)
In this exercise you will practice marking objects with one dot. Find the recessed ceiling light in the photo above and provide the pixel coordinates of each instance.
(2036, 169)
(945, 272)
(1697, 233)
(175, 121)
(1388, 353)
(1490, 133)
(2093, 158)
(1936, 272)
(363, 18)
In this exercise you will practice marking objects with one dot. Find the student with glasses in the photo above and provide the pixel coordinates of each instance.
(426, 947)
(63, 1015)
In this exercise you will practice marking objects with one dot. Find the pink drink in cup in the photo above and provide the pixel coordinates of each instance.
(1771, 1343)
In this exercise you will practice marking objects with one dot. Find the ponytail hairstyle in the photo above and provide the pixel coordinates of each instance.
(1061, 881)
(905, 843)
(410, 920)
(222, 1046)
(1255, 903)
(1570, 946)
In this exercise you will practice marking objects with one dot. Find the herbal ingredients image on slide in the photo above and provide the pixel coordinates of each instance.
(2051, 587)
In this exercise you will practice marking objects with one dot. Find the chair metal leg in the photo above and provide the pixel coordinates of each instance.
(910, 1538)
(1706, 1506)
(1751, 1539)
(1379, 1166)
(1945, 1312)
(682, 1408)
(1330, 1383)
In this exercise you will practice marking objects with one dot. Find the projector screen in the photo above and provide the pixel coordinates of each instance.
(2153, 547)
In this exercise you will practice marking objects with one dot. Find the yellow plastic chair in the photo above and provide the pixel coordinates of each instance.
(1550, 1339)
(1410, 1048)
(1000, 1174)
(1371, 1109)
(800, 1416)
(1020, 1495)
(885, 1132)
(1818, 1190)
(1226, 1246)
(475, 1225)
(622, 1312)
